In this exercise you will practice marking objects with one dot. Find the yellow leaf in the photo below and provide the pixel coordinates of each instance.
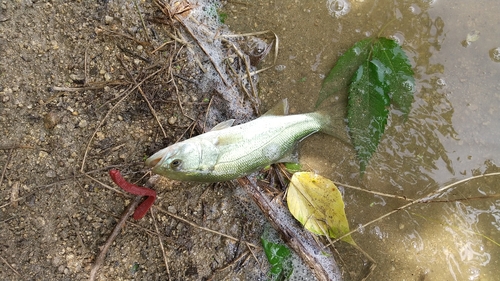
(317, 204)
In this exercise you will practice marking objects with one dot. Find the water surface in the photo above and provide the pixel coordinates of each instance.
(452, 132)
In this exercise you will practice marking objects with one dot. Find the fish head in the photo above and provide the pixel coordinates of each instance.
(181, 161)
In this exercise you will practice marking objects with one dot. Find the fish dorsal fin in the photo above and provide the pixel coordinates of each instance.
(223, 125)
(279, 109)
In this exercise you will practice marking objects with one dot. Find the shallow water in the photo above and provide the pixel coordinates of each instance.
(451, 134)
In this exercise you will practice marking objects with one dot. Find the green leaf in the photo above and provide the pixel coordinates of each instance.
(134, 268)
(222, 17)
(385, 77)
(317, 204)
(367, 110)
(399, 81)
(340, 75)
(278, 256)
(292, 167)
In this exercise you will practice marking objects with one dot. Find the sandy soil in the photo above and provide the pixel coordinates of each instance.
(58, 204)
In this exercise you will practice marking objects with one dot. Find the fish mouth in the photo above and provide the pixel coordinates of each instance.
(151, 162)
(156, 158)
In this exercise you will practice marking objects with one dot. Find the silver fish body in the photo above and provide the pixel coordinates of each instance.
(227, 153)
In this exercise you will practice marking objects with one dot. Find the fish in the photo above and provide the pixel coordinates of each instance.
(229, 152)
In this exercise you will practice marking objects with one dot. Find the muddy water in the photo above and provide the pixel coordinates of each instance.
(452, 133)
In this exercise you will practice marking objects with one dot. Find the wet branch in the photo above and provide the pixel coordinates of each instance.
(319, 259)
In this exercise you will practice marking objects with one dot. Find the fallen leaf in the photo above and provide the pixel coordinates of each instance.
(317, 204)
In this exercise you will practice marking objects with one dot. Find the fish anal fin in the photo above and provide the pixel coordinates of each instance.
(291, 156)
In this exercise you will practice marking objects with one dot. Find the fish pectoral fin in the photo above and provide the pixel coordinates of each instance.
(279, 109)
(291, 157)
(223, 125)
(272, 152)
(228, 139)
(206, 168)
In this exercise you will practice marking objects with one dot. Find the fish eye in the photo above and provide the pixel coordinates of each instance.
(175, 163)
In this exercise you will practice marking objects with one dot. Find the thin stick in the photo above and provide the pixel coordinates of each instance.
(142, 21)
(14, 146)
(105, 185)
(204, 228)
(373, 192)
(247, 68)
(206, 114)
(9, 157)
(76, 89)
(82, 168)
(425, 199)
(204, 51)
(153, 111)
(161, 46)
(253, 254)
(161, 243)
(126, 214)
(11, 268)
(193, 124)
(37, 188)
(177, 95)
(231, 263)
(276, 46)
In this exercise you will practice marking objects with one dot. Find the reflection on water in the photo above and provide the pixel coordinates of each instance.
(451, 132)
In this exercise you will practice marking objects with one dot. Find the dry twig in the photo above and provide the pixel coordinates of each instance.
(161, 243)
(127, 93)
(126, 214)
(204, 228)
(11, 268)
(9, 157)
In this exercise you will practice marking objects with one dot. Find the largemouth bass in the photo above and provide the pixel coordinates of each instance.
(227, 152)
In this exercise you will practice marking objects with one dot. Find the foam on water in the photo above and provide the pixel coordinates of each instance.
(209, 34)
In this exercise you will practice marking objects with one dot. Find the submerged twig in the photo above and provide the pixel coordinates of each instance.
(425, 199)
(373, 192)
(276, 47)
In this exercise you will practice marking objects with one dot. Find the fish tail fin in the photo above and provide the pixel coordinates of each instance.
(333, 122)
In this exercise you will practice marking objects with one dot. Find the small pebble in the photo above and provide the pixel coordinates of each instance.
(108, 19)
(50, 120)
(99, 135)
(172, 209)
(107, 76)
(172, 120)
(83, 124)
(50, 174)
